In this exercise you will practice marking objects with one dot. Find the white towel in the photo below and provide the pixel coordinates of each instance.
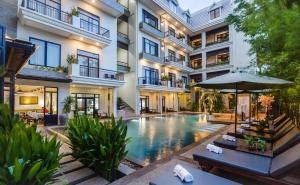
(240, 130)
(182, 173)
(245, 125)
(229, 138)
(215, 149)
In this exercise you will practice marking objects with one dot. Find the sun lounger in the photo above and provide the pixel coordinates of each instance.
(268, 130)
(268, 137)
(254, 166)
(200, 178)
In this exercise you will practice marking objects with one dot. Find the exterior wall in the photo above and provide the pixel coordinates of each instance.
(8, 16)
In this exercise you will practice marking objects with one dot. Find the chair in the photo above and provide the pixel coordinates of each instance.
(262, 168)
(200, 178)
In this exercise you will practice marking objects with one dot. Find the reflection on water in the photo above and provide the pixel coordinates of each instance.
(157, 137)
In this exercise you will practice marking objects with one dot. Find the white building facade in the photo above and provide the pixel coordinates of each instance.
(146, 52)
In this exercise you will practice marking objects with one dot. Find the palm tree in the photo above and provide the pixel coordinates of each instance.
(208, 99)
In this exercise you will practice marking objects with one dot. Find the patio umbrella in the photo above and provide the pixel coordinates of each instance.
(241, 80)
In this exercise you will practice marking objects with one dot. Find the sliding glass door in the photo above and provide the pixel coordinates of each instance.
(87, 104)
(50, 105)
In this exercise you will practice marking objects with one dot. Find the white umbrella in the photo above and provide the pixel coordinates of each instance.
(241, 80)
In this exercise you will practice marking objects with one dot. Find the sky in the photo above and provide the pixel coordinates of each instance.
(195, 5)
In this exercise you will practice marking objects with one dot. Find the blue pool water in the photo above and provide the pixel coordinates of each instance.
(157, 137)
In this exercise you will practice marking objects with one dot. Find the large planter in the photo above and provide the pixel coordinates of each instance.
(76, 21)
(164, 83)
(63, 119)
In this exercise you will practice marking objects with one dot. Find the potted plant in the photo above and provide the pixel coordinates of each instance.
(71, 59)
(165, 79)
(261, 145)
(61, 69)
(67, 108)
(251, 142)
(75, 17)
(179, 83)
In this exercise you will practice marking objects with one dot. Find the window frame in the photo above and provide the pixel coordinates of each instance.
(214, 11)
(46, 52)
(148, 15)
(154, 44)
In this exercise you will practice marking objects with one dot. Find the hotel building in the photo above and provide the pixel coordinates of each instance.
(146, 52)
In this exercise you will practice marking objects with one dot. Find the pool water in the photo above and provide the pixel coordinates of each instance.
(157, 137)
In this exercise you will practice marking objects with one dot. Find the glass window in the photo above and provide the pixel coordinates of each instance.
(172, 31)
(150, 47)
(215, 13)
(89, 63)
(181, 57)
(150, 76)
(88, 21)
(172, 55)
(150, 19)
(173, 6)
(47, 53)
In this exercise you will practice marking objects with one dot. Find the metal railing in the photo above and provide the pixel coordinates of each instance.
(47, 10)
(94, 28)
(97, 72)
(123, 36)
(225, 39)
(217, 63)
(159, 82)
(177, 37)
(66, 17)
(169, 59)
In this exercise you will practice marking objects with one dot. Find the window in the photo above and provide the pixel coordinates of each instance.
(150, 47)
(181, 57)
(215, 13)
(150, 76)
(188, 19)
(172, 77)
(89, 63)
(88, 21)
(197, 43)
(184, 80)
(224, 57)
(47, 54)
(172, 55)
(173, 6)
(150, 19)
(172, 31)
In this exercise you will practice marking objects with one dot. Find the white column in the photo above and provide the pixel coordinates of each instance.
(159, 103)
(175, 99)
(204, 60)
(203, 39)
(114, 101)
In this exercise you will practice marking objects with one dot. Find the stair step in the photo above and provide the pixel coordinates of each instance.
(74, 176)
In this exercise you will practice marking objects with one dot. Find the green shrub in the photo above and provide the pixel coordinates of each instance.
(195, 107)
(26, 157)
(102, 146)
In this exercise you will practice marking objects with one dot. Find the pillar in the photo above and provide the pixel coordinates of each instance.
(114, 101)
(12, 93)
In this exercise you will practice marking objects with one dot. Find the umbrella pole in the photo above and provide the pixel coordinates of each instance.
(236, 105)
(249, 107)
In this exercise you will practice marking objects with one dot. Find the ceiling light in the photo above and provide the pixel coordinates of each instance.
(93, 1)
(81, 38)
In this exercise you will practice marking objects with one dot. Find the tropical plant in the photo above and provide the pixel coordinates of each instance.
(251, 142)
(100, 145)
(26, 156)
(208, 100)
(68, 102)
(61, 69)
(74, 12)
(165, 78)
(71, 59)
(266, 101)
(119, 103)
(261, 145)
(219, 104)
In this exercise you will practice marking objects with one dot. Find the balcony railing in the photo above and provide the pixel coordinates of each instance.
(123, 37)
(123, 66)
(177, 37)
(96, 72)
(217, 41)
(60, 15)
(217, 63)
(159, 82)
(94, 28)
(47, 10)
(170, 59)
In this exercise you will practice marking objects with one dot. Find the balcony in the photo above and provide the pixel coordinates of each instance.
(154, 84)
(211, 43)
(125, 6)
(123, 38)
(177, 63)
(94, 76)
(217, 63)
(123, 66)
(111, 7)
(42, 16)
(151, 30)
(151, 58)
(177, 42)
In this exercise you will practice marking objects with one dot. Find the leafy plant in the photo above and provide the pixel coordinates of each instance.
(261, 145)
(74, 12)
(71, 59)
(100, 145)
(251, 142)
(61, 69)
(119, 102)
(165, 78)
(261, 125)
(68, 101)
(26, 156)
(208, 100)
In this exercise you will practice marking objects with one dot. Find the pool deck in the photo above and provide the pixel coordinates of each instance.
(144, 175)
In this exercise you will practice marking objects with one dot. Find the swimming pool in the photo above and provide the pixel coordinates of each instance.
(157, 137)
